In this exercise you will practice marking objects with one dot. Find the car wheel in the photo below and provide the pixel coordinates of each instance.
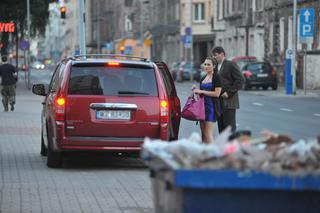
(265, 87)
(275, 87)
(44, 149)
(54, 159)
(246, 87)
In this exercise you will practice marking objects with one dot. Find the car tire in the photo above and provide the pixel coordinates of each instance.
(265, 87)
(246, 87)
(275, 87)
(44, 150)
(54, 159)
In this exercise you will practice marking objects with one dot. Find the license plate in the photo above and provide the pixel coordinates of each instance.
(113, 114)
(262, 75)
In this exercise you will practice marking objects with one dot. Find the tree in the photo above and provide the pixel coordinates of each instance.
(16, 11)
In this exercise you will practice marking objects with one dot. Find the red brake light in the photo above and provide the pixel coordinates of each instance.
(164, 111)
(164, 104)
(59, 109)
(60, 101)
(113, 63)
(247, 73)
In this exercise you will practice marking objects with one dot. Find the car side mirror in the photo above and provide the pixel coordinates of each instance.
(39, 89)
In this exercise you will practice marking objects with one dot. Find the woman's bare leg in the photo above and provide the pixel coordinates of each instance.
(208, 132)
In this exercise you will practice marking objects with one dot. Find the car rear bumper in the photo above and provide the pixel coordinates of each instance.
(260, 82)
(101, 144)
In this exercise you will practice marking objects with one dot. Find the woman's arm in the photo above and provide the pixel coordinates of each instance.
(215, 93)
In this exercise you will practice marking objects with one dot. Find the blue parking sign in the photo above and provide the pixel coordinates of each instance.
(306, 23)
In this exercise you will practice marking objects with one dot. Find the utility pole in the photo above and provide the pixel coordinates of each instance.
(98, 26)
(191, 48)
(141, 29)
(82, 31)
(28, 57)
(294, 47)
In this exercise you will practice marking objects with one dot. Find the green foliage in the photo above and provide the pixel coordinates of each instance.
(16, 11)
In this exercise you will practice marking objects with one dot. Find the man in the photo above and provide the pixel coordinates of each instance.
(232, 81)
(8, 82)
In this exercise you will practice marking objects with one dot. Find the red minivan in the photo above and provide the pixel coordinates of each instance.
(106, 103)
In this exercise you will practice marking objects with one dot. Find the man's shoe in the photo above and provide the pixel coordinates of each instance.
(12, 107)
(6, 109)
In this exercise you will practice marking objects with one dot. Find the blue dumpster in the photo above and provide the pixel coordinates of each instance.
(205, 190)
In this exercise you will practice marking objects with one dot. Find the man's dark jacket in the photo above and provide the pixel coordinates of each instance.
(8, 73)
(232, 81)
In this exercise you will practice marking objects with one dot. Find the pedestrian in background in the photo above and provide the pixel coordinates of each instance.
(232, 81)
(8, 76)
(210, 87)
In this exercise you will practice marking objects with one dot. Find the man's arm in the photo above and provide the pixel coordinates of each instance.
(237, 79)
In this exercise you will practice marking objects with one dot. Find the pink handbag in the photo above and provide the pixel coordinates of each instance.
(194, 109)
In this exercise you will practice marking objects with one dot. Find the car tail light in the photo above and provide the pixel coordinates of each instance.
(274, 72)
(247, 73)
(59, 109)
(164, 111)
(113, 63)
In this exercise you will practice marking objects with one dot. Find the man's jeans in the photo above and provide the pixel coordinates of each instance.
(8, 93)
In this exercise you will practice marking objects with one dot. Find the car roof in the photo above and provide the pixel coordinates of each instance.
(235, 58)
(259, 62)
(104, 61)
(105, 58)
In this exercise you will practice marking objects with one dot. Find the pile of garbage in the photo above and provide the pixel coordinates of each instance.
(272, 153)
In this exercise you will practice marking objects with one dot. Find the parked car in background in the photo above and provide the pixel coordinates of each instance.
(174, 70)
(188, 70)
(241, 61)
(106, 103)
(260, 74)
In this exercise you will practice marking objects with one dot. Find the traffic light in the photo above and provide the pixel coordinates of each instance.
(63, 12)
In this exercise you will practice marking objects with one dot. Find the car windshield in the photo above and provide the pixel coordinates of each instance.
(100, 80)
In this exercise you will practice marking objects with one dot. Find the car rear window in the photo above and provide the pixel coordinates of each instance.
(260, 68)
(241, 63)
(113, 81)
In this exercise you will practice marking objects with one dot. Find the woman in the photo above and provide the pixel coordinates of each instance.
(210, 87)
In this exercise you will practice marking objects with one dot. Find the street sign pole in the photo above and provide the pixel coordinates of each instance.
(306, 36)
(305, 71)
(28, 28)
(294, 49)
(82, 30)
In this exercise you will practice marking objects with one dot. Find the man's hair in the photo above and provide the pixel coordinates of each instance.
(218, 50)
(4, 58)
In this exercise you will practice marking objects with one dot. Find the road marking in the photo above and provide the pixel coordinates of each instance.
(317, 114)
(286, 109)
(257, 104)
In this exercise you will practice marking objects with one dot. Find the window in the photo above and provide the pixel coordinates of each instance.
(198, 10)
(55, 78)
(113, 81)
